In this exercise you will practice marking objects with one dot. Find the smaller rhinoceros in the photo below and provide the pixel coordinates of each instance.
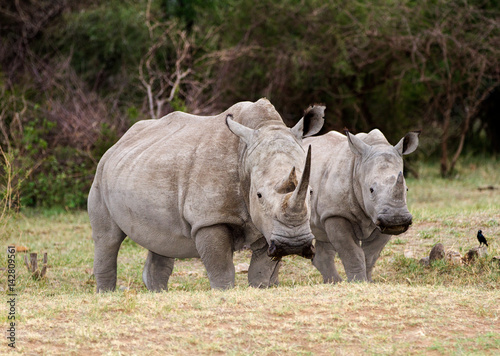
(359, 199)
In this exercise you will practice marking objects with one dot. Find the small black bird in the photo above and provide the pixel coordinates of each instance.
(481, 238)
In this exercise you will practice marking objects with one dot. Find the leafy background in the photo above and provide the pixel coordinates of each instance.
(75, 76)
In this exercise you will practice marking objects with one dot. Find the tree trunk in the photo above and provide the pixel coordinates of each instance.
(465, 129)
(445, 169)
(444, 144)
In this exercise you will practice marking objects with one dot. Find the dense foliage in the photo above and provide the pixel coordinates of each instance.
(75, 76)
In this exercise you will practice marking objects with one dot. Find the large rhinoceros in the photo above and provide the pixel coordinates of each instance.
(359, 199)
(190, 186)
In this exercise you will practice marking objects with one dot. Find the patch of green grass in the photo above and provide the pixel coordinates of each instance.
(492, 223)
(468, 345)
(427, 234)
(398, 241)
(484, 272)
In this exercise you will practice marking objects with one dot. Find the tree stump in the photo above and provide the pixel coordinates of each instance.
(453, 257)
(474, 253)
(424, 261)
(32, 265)
(437, 252)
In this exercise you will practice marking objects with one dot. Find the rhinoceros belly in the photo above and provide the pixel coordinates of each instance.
(151, 220)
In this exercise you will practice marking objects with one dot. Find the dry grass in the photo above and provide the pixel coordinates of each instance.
(410, 309)
(321, 319)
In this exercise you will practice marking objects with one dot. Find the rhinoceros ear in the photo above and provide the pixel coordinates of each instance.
(311, 122)
(357, 146)
(245, 133)
(408, 144)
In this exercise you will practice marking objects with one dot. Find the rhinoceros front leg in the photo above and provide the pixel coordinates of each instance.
(263, 272)
(372, 249)
(157, 271)
(341, 235)
(324, 261)
(215, 247)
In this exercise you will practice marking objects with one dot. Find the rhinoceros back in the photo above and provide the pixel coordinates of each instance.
(165, 179)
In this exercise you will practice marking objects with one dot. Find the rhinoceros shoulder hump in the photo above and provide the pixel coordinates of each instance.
(335, 138)
(374, 137)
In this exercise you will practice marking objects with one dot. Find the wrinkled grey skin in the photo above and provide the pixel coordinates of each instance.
(187, 186)
(359, 199)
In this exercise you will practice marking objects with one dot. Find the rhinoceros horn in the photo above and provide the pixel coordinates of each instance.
(399, 188)
(298, 199)
(288, 184)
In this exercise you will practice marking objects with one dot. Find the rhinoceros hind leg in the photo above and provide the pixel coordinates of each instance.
(107, 240)
(157, 271)
(263, 272)
(215, 247)
(324, 261)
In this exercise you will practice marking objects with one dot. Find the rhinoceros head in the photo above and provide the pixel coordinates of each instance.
(276, 173)
(381, 186)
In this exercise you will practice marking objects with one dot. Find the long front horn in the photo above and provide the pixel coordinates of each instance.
(298, 198)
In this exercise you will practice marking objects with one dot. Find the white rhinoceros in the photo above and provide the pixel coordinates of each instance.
(190, 186)
(359, 199)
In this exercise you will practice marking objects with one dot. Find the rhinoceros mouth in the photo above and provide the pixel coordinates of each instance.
(393, 224)
(278, 248)
(393, 230)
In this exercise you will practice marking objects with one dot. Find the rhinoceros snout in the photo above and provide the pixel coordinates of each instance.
(301, 246)
(308, 252)
(394, 224)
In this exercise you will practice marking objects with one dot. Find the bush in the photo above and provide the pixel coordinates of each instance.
(105, 42)
(77, 75)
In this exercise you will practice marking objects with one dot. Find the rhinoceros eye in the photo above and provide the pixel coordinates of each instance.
(311, 192)
(371, 190)
(259, 195)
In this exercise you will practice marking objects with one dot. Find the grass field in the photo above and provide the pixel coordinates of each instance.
(409, 309)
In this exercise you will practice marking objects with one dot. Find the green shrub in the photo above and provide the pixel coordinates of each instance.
(63, 179)
(105, 42)
(373, 63)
